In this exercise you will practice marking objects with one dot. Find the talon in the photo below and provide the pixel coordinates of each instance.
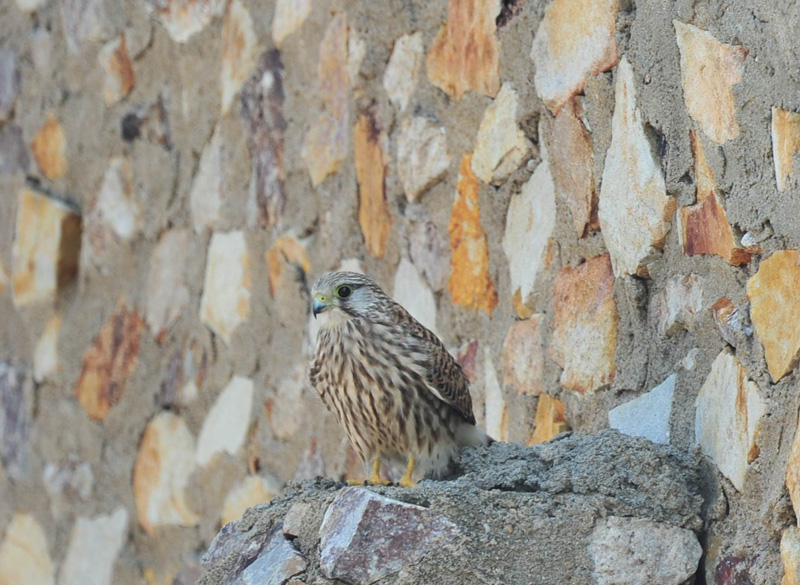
(375, 477)
(406, 480)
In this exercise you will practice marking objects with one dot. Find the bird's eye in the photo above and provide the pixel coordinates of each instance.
(344, 292)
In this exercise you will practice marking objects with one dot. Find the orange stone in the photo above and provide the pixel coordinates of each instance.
(465, 54)
(704, 227)
(571, 163)
(550, 420)
(775, 310)
(523, 356)
(109, 363)
(48, 148)
(790, 556)
(470, 283)
(120, 78)
(285, 252)
(239, 51)
(373, 210)
(586, 324)
(785, 144)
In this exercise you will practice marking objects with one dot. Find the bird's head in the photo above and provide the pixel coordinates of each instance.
(344, 295)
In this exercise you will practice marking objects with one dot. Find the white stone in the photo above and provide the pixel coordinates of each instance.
(167, 293)
(207, 194)
(351, 265)
(530, 222)
(500, 147)
(226, 424)
(634, 551)
(648, 415)
(422, 159)
(249, 492)
(239, 52)
(93, 549)
(286, 407)
(67, 483)
(411, 291)
(45, 355)
(679, 304)
(24, 555)
(634, 209)
(226, 292)
(289, 15)
(356, 51)
(496, 411)
(116, 205)
(30, 5)
(185, 18)
(727, 417)
(400, 77)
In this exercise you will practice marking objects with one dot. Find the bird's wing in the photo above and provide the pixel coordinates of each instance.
(445, 377)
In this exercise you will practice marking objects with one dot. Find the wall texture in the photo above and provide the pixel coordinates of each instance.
(593, 203)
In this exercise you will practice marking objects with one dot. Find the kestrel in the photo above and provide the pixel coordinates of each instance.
(389, 381)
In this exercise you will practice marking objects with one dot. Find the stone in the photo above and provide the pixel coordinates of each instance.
(679, 304)
(530, 221)
(116, 207)
(790, 556)
(184, 18)
(119, 76)
(630, 551)
(208, 188)
(285, 405)
(49, 147)
(586, 324)
(550, 420)
(523, 356)
(13, 150)
(24, 554)
(465, 54)
(279, 561)
(47, 242)
(262, 113)
(411, 291)
(167, 291)
(427, 247)
(400, 76)
(93, 548)
(286, 255)
(572, 163)
(164, 463)
(10, 82)
(225, 427)
(67, 483)
(500, 146)
(311, 464)
(289, 16)
(16, 419)
(45, 354)
(110, 362)
(704, 227)
(84, 20)
(252, 490)
(466, 355)
(3, 279)
(775, 310)
(327, 143)
(470, 282)
(356, 51)
(793, 472)
(495, 407)
(30, 5)
(422, 159)
(634, 209)
(728, 416)
(729, 321)
(373, 209)
(365, 536)
(647, 415)
(785, 144)
(225, 303)
(239, 51)
(186, 371)
(572, 43)
(709, 70)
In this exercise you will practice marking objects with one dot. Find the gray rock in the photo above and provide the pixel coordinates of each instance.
(632, 551)
(365, 536)
(277, 564)
(13, 152)
(16, 412)
(9, 84)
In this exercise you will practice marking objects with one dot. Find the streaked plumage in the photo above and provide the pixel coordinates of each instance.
(389, 381)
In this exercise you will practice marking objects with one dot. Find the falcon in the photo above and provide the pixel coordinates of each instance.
(388, 380)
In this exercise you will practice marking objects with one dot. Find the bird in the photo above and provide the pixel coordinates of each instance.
(388, 380)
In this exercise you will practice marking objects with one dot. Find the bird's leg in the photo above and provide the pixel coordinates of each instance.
(375, 477)
(406, 480)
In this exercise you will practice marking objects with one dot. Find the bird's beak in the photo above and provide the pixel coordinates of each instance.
(320, 305)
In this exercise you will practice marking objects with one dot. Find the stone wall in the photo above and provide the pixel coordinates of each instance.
(595, 208)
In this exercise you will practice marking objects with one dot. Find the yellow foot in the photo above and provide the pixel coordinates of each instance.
(356, 481)
(375, 477)
(406, 480)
